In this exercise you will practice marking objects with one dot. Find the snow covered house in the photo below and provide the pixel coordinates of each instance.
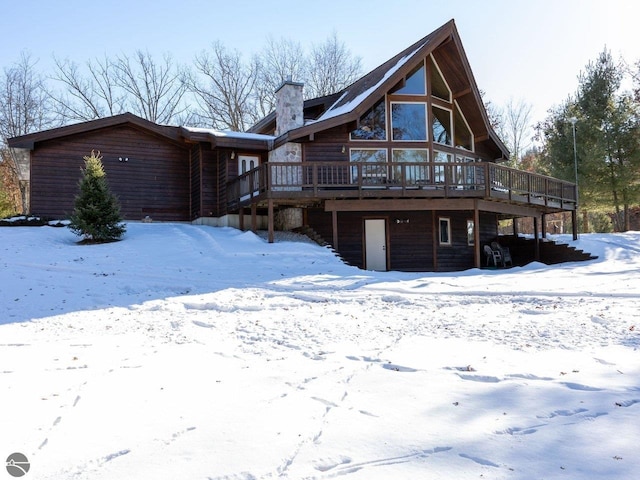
(399, 171)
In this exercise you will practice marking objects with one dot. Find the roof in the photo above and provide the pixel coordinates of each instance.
(353, 101)
(227, 138)
(178, 135)
(28, 141)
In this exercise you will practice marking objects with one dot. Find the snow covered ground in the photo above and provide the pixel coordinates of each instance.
(191, 352)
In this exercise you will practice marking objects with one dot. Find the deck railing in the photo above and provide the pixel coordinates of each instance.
(317, 180)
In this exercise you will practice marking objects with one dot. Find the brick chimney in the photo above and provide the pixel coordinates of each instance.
(289, 107)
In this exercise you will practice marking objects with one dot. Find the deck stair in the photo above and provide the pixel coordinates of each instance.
(309, 232)
(523, 251)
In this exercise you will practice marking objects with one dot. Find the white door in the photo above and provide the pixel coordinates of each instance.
(375, 244)
(246, 163)
(249, 184)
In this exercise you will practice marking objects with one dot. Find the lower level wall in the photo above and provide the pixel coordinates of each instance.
(232, 220)
(412, 238)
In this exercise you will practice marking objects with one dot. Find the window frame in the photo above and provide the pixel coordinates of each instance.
(382, 177)
(450, 131)
(430, 82)
(446, 242)
(426, 177)
(425, 91)
(471, 232)
(382, 102)
(458, 110)
(426, 120)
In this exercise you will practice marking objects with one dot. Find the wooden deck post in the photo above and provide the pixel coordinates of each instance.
(536, 254)
(334, 227)
(574, 224)
(543, 226)
(477, 254)
(241, 218)
(270, 218)
(254, 217)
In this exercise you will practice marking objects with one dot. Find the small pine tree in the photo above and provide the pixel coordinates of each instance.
(96, 215)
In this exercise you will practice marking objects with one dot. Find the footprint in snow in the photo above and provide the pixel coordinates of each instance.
(563, 413)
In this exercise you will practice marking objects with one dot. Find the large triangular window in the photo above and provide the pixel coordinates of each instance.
(413, 84)
(372, 125)
(463, 134)
(439, 87)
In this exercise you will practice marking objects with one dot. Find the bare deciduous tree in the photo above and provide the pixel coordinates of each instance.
(331, 67)
(155, 89)
(224, 87)
(279, 60)
(24, 108)
(517, 128)
(88, 97)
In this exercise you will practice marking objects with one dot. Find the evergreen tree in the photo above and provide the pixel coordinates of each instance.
(97, 212)
(607, 124)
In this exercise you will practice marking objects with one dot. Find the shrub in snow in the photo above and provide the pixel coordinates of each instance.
(96, 215)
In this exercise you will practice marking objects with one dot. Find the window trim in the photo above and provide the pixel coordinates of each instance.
(464, 119)
(426, 118)
(427, 167)
(447, 221)
(451, 133)
(404, 81)
(384, 102)
(354, 178)
(444, 80)
(471, 232)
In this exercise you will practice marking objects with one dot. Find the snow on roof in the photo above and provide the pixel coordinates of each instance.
(337, 109)
(230, 134)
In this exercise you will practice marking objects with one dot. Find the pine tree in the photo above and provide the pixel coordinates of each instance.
(97, 212)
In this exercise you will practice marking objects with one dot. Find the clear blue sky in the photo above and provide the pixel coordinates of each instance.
(532, 50)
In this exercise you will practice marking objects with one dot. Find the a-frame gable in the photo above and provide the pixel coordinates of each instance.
(446, 47)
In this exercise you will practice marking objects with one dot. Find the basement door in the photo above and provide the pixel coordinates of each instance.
(375, 244)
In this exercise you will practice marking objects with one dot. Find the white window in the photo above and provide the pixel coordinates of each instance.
(414, 168)
(444, 230)
(369, 164)
(409, 121)
(441, 125)
(471, 233)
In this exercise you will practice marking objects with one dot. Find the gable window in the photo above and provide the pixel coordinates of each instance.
(444, 227)
(441, 125)
(372, 125)
(439, 87)
(463, 135)
(414, 84)
(368, 165)
(409, 121)
(415, 169)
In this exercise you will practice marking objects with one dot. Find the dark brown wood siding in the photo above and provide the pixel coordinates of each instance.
(196, 181)
(410, 236)
(150, 175)
(327, 146)
(214, 198)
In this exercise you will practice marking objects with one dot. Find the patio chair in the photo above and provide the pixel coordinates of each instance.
(505, 253)
(492, 255)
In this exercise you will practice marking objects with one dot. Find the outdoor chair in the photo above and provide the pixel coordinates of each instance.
(505, 253)
(492, 255)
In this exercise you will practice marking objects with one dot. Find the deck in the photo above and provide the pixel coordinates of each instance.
(310, 182)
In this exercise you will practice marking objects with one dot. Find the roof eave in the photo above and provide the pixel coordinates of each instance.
(29, 140)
